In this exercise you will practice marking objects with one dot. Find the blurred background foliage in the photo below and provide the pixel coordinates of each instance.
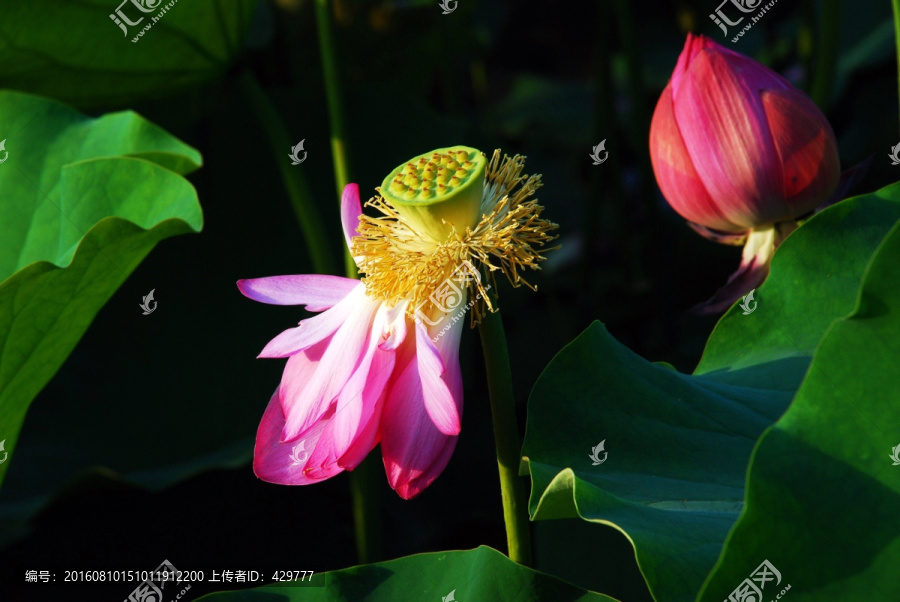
(139, 447)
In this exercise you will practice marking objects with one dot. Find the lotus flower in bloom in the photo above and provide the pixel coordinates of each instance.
(380, 363)
(741, 154)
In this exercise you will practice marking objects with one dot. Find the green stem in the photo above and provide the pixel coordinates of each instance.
(896, 5)
(294, 179)
(506, 436)
(365, 479)
(364, 489)
(826, 49)
(334, 98)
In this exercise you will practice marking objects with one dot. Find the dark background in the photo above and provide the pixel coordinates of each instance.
(548, 80)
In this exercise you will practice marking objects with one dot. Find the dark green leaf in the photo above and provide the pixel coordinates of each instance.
(75, 51)
(83, 204)
(479, 574)
(679, 445)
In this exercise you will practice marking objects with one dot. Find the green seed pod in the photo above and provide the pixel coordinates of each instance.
(458, 172)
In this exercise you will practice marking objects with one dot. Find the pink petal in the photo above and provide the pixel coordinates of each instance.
(675, 173)
(806, 147)
(274, 461)
(356, 407)
(436, 395)
(316, 291)
(306, 398)
(351, 209)
(395, 330)
(315, 329)
(415, 452)
(723, 124)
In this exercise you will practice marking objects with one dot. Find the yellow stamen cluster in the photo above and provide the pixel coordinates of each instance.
(400, 263)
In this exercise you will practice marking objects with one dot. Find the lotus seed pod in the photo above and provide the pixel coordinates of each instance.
(445, 185)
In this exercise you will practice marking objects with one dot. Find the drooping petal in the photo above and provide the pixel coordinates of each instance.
(306, 398)
(278, 462)
(315, 329)
(370, 432)
(439, 401)
(754, 269)
(723, 124)
(355, 406)
(317, 292)
(415, 452)
(807, 149)
(675, 173)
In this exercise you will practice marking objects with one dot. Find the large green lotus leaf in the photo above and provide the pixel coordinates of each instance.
(823, 490)
(83, 203)
(479, 574)
(76, 52)
(679, 445)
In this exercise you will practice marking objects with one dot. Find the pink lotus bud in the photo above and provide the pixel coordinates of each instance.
(736, 148)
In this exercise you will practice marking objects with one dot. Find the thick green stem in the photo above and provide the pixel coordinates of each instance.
(826, 53)
(335, 102)
(293, 178)
(364, 488)
(896, 4)
(364, 480)
(506, 435)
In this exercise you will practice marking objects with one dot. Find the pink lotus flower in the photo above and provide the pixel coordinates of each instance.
(360, 373)
(380, 363)
(741, 154)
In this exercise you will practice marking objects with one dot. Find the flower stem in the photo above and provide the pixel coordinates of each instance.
(826, 53)
(334, 99)
(506, 436)
(294, 179)
(364, 480)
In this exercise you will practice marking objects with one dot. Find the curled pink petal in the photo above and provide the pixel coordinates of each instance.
(395, 330)
(351, 209)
